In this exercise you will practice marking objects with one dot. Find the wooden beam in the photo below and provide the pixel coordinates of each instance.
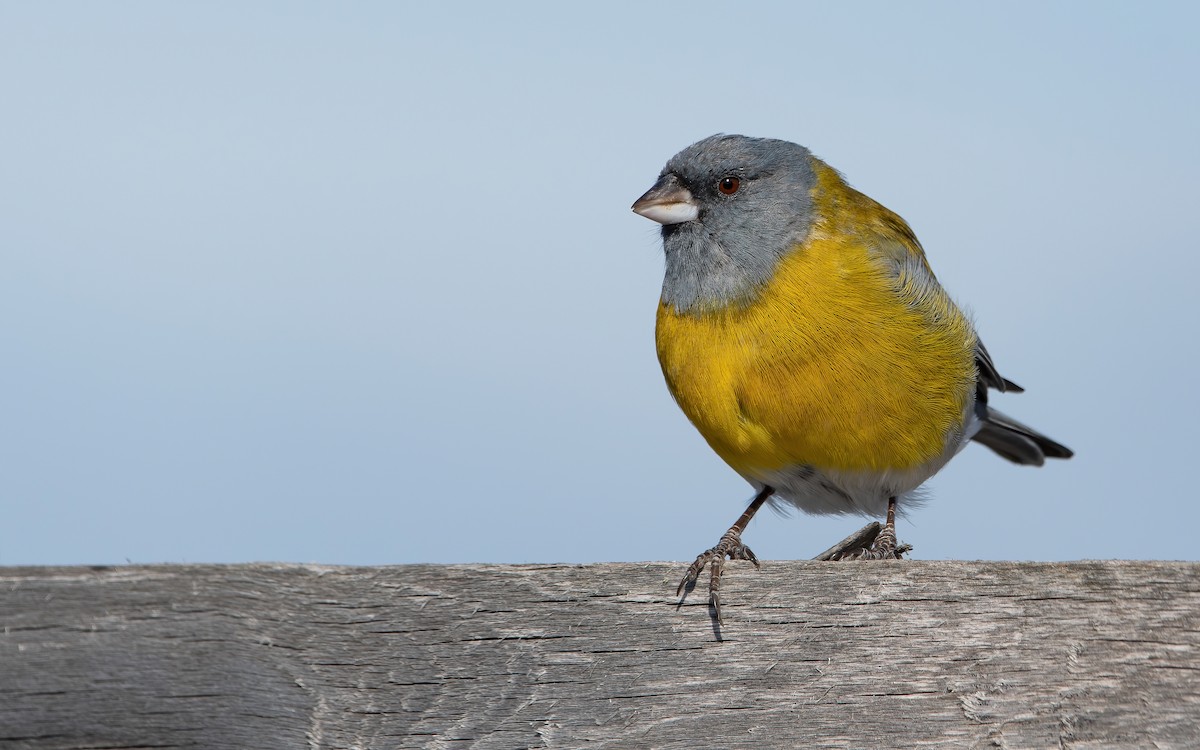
(897, 654)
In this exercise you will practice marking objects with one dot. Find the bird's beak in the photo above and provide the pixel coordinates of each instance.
(668, 202)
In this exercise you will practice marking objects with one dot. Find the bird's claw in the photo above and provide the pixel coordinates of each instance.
(729, 547)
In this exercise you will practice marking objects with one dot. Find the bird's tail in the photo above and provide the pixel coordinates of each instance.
(1017, 442)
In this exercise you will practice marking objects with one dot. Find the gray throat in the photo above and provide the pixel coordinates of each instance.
(704, 272)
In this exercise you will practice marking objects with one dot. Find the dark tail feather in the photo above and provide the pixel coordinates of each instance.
(1017, 442)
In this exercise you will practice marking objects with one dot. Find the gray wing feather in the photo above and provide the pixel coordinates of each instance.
(988, 373)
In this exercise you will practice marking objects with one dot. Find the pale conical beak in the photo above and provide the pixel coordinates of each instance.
(668, 202)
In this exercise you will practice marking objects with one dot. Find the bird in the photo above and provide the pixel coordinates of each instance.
(802, 331)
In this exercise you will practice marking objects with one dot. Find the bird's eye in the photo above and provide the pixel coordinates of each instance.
(729, 185)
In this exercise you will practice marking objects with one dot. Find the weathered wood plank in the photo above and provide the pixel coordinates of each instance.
(814, 655)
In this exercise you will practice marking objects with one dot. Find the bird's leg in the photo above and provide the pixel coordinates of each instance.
(730, 546)
(885, 543)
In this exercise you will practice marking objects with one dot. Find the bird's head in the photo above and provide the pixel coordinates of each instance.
(731, 207)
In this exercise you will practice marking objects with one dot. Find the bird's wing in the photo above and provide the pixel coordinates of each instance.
(1006, 436)
(989, 376)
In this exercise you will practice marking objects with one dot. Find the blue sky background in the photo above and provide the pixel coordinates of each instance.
(360, 283)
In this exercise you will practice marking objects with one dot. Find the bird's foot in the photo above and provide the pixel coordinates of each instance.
(875, 541)
(884, 547)
(730, 547)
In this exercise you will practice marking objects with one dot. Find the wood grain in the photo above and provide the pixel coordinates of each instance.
(895, 654)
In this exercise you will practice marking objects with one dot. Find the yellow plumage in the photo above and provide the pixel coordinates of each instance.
(838, 362)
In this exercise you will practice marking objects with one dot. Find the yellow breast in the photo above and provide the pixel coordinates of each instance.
(836, 363)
